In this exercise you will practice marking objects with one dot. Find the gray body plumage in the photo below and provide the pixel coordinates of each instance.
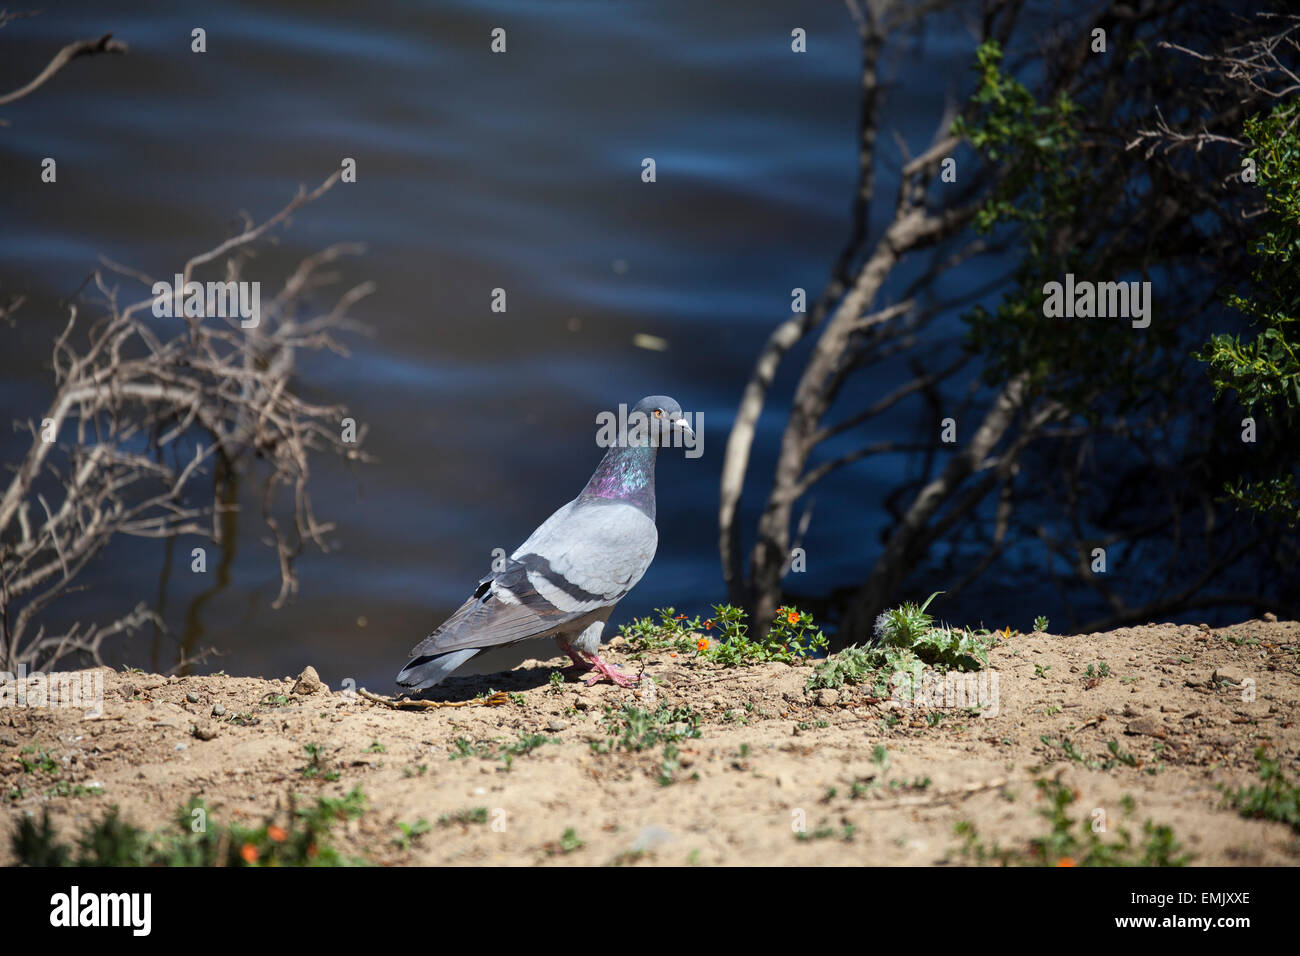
(565, 580)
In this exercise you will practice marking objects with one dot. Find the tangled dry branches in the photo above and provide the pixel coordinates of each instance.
(142, 407)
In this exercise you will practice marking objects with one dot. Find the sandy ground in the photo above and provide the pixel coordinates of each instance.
(769, 757)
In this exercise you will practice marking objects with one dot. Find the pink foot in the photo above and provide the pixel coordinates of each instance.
(600, 670)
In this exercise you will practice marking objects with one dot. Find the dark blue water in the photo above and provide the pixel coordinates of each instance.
(475, 171)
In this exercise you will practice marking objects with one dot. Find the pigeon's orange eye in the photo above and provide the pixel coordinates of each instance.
(659, 413)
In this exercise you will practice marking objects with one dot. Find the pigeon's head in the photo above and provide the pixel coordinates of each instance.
(668, 426)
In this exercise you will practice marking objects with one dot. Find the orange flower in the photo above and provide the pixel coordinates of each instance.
(249, 853)
(680, 617)
(702, 644)
(276, 834)
(1065, 861)
(708, 625)
(793, 617)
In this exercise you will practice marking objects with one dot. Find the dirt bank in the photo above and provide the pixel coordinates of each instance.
(1174, 700)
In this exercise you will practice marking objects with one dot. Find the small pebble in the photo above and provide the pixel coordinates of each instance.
(651, 838)
(218, 710)
(308, 682)
(192, 697)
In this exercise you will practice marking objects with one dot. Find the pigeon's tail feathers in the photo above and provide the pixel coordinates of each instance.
(426, 671)
(507, 607)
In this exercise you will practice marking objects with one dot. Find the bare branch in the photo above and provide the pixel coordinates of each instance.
(105, 44)
(209, 389)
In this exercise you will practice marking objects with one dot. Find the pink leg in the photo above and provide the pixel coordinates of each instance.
(595, 668)
(602, 670)
(579, 665)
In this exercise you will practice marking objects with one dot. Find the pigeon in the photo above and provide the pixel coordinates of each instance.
(567, 578)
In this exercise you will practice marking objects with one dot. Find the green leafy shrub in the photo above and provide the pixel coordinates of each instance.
(1071, 843)
(634, 728)
(506, 751)
(1278, 799)
(724, 638)
(672, 632)
(907, 641)
(1264, 371)
(304, 839)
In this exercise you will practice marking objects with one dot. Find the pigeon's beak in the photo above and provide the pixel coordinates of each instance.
(684, 426)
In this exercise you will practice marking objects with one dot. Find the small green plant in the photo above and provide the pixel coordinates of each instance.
(464, 817)
(1097, 672)
(672, 632)
(792, 636)
(1120, 756)
(1277, 799)
(63, 788)
(569, 842)
(844, 832)
(670, 765)
(525, 745)
(634, 729)
(1067, 747)
(880, 757)
(734, 716)
(315, 767)
(505, 752)
(909, 627)
(466, 748)
(908, 640)
(853, 665)
(407, 832)
(303, 839)
(1068, 843)
(32, 759)
(376, 748)
(724, 638)
(863, 786)
(1041, 623)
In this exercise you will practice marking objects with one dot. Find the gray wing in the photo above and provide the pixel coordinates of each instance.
(582, 559)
